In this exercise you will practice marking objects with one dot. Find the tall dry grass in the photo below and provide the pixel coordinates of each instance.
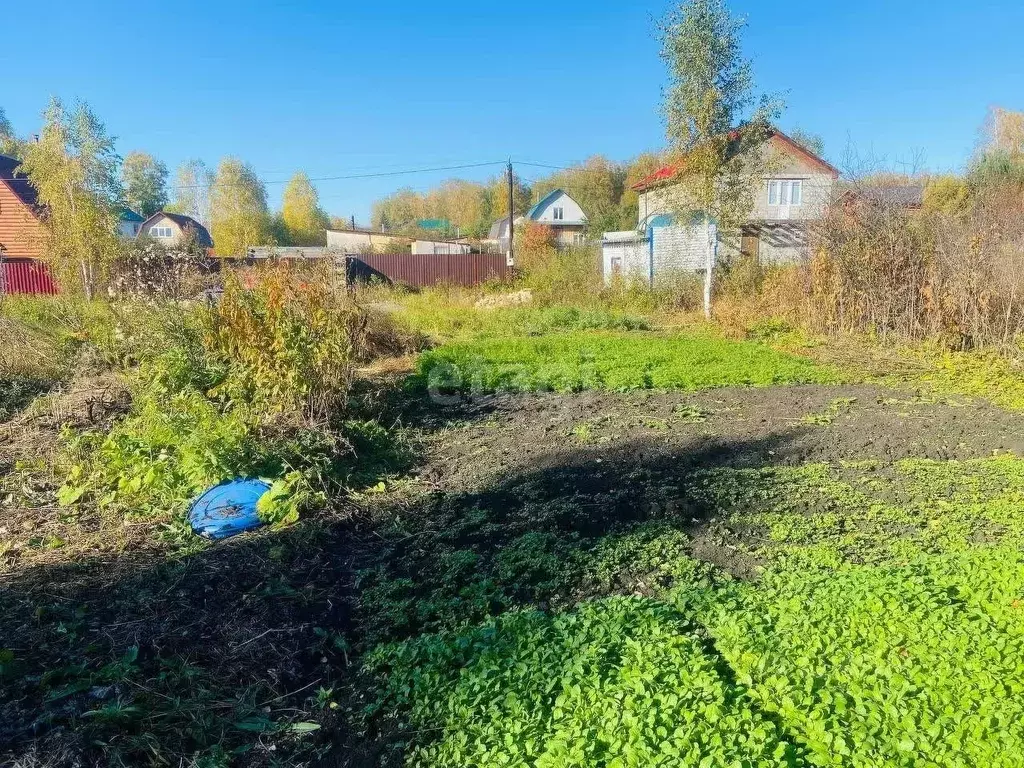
(914, 275)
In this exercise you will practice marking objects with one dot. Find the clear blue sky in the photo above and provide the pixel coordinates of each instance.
(335, 88)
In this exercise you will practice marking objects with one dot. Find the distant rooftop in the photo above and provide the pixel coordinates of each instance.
(17, 181)
(904, 196)
(435, 224)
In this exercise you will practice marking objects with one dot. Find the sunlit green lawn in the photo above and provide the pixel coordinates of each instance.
(576, 361)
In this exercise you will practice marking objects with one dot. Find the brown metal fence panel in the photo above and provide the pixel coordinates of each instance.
(26, 276)
(422, 270)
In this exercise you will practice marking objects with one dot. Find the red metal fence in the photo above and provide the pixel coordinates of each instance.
(26, 276)
(428, 269)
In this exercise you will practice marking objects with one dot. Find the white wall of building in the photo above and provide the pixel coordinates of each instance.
(625, 255)
(350, 241)
(571, 211)
(666, 250)
(421, 247)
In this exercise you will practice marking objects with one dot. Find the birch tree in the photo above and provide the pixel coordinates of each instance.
(145, 183)
(304, 222)
(74, 168)
(192, 182)
(239, 217)
(715, 123)
(8, 141)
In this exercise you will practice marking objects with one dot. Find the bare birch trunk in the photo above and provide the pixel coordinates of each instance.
(709, 267)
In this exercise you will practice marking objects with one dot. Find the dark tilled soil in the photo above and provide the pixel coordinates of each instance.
(494, 439)
(595, 463)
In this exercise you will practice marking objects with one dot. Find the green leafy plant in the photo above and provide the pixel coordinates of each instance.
(579, 361)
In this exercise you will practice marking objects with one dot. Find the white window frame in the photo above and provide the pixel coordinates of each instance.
(558, 213)
(793, 189)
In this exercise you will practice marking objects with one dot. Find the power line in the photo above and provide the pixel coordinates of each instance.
(572, 168)
(385, 174)
(344, 177)
(545, 165)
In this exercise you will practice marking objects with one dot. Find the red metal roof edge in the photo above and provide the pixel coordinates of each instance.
(667, 172)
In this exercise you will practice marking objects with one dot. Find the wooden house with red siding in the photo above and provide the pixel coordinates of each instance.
(21, 234)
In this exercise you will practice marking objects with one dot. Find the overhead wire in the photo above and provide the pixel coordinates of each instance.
(343, 177)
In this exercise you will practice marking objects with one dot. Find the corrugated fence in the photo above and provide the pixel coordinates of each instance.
(428, 269)
(26, 276)
(467, 269)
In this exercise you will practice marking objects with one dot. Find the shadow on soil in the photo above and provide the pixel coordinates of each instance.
(146, 658)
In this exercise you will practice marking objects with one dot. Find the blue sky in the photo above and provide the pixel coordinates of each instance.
(338, 88)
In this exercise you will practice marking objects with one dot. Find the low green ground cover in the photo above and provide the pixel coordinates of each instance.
(991, 376)
(577, 361)
(935, 371)
(887, 630)
(620, 682)
(446, 317)
(918, 664)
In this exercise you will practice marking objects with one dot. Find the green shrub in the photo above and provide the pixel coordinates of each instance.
(176, 442)
(252, 387)
(284, 342)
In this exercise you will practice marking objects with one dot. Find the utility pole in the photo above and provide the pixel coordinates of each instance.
(510, 255)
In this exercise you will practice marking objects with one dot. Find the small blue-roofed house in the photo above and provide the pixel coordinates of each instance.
(562, 214)
(128, 223)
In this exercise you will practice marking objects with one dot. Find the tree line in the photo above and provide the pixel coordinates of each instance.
(602, 187)
(85, 185)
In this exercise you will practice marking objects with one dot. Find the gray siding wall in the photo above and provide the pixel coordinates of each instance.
(674, 249)
(682, 249)
(818, 188)
(777, 244)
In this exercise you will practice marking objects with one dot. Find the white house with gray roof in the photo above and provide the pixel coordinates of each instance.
(556, 210)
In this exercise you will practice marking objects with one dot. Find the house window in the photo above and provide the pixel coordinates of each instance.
(558, 214)
(160, 232)
(785, 192)
(616, 265)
